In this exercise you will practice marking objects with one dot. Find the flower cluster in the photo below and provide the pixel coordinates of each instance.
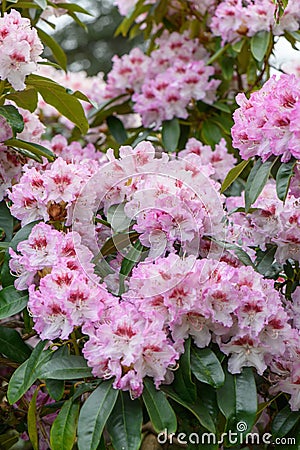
(233, 19)
(20, 49)
(163, 84)
(268, 122)
(271, 222)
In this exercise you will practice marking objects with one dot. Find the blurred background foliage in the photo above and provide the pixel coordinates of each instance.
(92, 49)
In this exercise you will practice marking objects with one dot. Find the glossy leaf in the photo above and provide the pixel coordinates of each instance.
(116, 127)
(117, 218)
(237, 400)
(183, 383)
(55, 48)
(94, 414)
(198, 409)
(26, 374)
(283, 179)
(12, 301)
(55, 388)
(118, 242)
(211, 133)
(73, 7)
(13, 346)
(63, 430)
(65, 368)
(132, 258)
(284, 421)
(233, 174)
(6, 221)
(159, 409)
(170, 134)
(32, 422)
(257, 180)
(125, 423)
(206, 367)
(26, 99)
(13, 118)
(35, 149)
(58, 97)
(259, 44)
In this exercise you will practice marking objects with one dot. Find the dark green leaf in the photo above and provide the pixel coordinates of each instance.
(284, 421)
(257, 180)
(283, 179)
(32, 422)
(198, 409)
(222, 107)
(233, 174)
(12, 301)
(13, 118)
(170, 134)
(35, 149)
(63, 430)
(55, 388)
(65, 368)
(94, 414)
(117, 129)
(183, 383)
(159, 409)
(41, 3)
(210, 133)
(55, 48)
(131, 259)
(206, 367)
(266, 259)
(26, 374)
(118, 242)
(125, 423)
(73, 7)
(8, 439)
(259, 44)
(237, 400)
(12, 345)
(6, 221)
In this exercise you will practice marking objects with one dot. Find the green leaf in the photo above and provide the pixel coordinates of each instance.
(159, 409)
(6, 221)
(237, 400)
(65, 368)
(132, 258)
(259, 44)
(283, 179)
(55, 388)
(12, 345)
(63, 430)
(8, 439)
(257, 180)
(210, 133)
(118, 242)
(6, 277)
(55, 48)
(94, 414)
(284, 421)
(125, 423)
(57, 96)
(73, 7)
(198, 409)
(12, 301)
(170, 134)
(116, 127)
(266, 259)
(233, 174)
(26, 374)
(206, 367)
(13, 118)
(117, 218)
(32, 422)
(35, 149)
(183, 383)
(222, 107)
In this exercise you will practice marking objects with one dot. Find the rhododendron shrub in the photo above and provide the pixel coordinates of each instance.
(149, 232)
